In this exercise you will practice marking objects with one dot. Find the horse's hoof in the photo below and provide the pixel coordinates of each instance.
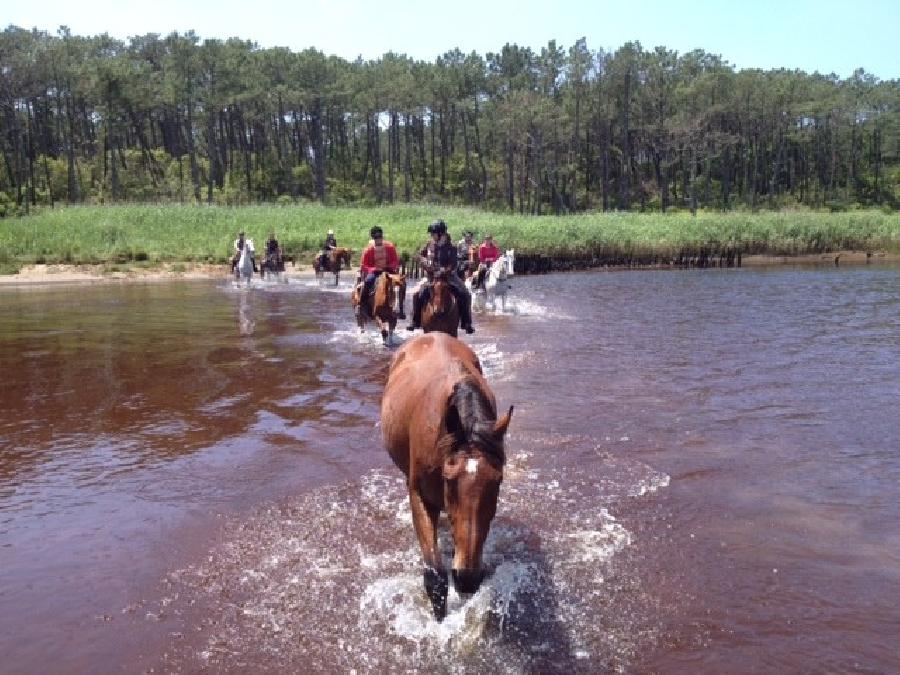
(467, 581)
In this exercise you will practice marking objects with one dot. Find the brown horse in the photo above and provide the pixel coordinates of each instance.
(335, 260)
(388, 288)
(439, 425)
(441, 312)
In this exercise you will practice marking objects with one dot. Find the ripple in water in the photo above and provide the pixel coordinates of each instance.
(334, 579)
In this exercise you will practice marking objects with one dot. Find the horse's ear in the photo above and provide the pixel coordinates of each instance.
(503, 423)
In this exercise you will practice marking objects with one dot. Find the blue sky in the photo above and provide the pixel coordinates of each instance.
(813, 35)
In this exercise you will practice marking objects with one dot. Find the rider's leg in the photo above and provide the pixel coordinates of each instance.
(464, 300)
(420, 297)
(368, 285)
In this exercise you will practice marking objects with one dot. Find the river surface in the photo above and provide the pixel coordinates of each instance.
(703, 477)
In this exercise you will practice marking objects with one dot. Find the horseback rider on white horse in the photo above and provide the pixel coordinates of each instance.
(239, 244)
(488, 254)
(243, 263)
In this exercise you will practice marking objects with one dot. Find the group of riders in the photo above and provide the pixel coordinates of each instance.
(274, 259)
(439, 257)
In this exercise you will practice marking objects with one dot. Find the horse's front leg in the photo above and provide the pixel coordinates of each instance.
(425, 519)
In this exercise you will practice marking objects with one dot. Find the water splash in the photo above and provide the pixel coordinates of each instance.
(334, 578)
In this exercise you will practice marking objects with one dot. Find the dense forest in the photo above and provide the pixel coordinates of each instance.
(177, 118)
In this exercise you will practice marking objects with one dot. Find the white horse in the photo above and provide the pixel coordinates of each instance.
(244, 268)
(496, 282)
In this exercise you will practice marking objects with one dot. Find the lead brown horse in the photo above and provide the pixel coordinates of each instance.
(441, 313)
(439, 425)
(390, 289)
(336, 259)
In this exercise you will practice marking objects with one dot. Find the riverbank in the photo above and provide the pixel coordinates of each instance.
(147, 234)
(89, 274)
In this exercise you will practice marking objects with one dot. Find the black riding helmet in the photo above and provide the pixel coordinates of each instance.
(437, 227)
(376, 232)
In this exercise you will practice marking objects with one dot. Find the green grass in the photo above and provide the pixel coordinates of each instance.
(175, 233)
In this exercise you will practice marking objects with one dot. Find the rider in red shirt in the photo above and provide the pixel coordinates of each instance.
(488, 254)
(380, 256)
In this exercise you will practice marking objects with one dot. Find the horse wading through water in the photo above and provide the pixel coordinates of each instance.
(440, 312)
(243, 270)
(335, 260)
(272, 266)
(388, 290)
(439, 425)
(495, 283)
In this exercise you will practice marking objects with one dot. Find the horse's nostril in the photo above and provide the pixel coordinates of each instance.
(467, 581)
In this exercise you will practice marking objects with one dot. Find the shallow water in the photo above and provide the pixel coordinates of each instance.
(703, 470)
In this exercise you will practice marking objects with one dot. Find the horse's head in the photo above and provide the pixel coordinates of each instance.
(510, 257)
(386, 289)
(498, 269)
(472, 472)
(441, 296)
(344, 256)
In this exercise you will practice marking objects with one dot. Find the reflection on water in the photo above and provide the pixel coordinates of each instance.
(703, 473)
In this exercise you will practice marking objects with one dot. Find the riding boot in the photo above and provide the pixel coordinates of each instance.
(417, 312)
(365, 299)
(465, 312)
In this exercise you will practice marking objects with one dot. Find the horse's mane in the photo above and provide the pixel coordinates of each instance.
(470, 420)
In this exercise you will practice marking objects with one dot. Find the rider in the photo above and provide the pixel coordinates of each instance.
(488, 254)
(379, 256)
(273, 252)
(239, 244)
(439, 255)
(465, 253)
(327, 247)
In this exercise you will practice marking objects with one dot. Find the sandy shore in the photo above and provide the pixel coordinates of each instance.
(89, 274)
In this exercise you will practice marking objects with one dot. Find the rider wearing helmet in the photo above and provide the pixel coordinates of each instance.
(465, 254)
(330, 243)
(273, 253)
(379, 256)
(439, 255)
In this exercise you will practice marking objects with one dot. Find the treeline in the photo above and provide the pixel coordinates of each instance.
(98, 120)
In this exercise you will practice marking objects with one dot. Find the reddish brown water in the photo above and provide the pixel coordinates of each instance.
(703, 476)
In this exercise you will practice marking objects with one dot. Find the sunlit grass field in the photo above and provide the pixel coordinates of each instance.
(181, 233)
